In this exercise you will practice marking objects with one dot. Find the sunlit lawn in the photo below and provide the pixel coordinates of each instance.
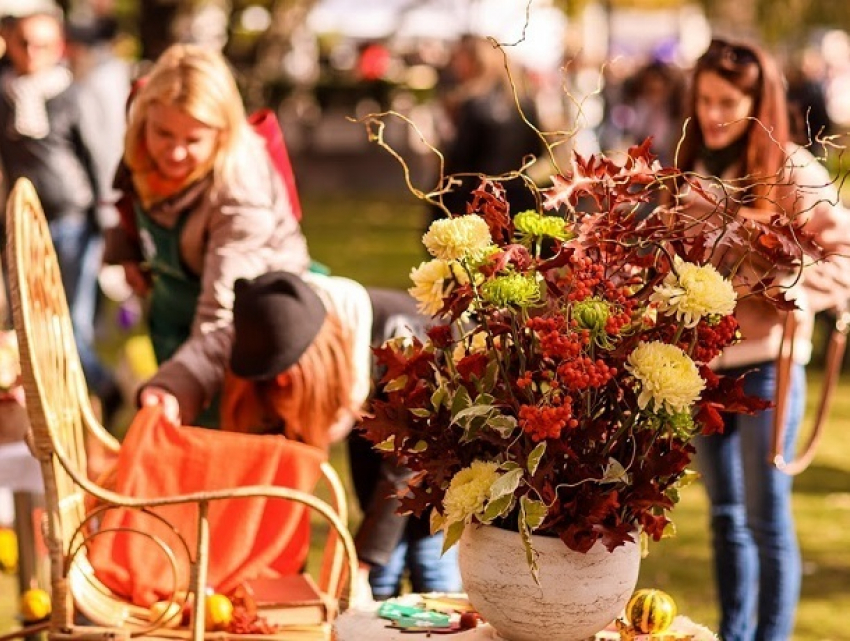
(378, 242)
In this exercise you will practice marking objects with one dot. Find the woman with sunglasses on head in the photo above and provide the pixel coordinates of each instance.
(737, 147)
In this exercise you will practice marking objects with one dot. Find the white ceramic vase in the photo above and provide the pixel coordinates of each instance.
(579, 594)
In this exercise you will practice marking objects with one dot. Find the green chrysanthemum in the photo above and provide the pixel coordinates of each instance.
(591, 314)
(511, 290)
(682, 424)
(532, 223)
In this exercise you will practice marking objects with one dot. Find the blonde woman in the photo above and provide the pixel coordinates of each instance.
(208, 208)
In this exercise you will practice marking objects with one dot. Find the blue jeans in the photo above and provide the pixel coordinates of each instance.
(756, 554)
(79, 249)
(429, 572)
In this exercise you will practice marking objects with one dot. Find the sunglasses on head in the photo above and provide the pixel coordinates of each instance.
(730, 55)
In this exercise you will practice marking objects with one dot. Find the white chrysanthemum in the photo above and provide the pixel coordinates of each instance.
(468, 490)
(431, 283)
(667, 376)
(456, 238)
(694, 291)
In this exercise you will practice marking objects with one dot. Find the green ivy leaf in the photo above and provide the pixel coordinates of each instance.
(504, 425)
(614, 472)
(387, 445)
(452, 535)
(439, 397)
(534, 511)
(396, 384)
(509, 465)
(535, 456)
(420, 446)
(421, 412)
(525, 535)
(497, 508)
(506, 484)
(484, 399)
(460, 401)
(465, 415)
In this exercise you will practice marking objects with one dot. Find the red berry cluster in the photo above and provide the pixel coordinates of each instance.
(556, 342)
(548, 421)
(584, 372)
(711, 339)
(583, 279)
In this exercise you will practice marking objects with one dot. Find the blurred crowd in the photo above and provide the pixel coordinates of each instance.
(211, 219)
(483, 105)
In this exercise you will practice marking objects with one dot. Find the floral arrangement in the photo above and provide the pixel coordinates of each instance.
(566, 374)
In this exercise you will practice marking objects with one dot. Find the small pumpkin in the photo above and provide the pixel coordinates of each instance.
(650, 611)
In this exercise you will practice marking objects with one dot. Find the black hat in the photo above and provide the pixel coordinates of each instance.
(276, 317)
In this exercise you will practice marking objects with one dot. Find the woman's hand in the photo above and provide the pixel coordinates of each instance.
(151, 396)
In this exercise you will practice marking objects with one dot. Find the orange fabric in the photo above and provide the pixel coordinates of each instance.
(248, 537)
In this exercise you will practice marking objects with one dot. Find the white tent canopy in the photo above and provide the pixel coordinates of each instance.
(537, 27)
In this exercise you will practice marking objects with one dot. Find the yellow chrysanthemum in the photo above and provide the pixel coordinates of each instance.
(468, 490)
(456, 238)
(430, 285)
(693, 292)
(667, 376)
(478, 343)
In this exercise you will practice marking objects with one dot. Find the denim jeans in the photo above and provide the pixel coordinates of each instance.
(756, 554)
(429, 572)
(79, 249)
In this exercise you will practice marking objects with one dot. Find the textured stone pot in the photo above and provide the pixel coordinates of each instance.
(579, 594)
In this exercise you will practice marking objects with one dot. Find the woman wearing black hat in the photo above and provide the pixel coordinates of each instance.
(301, 367)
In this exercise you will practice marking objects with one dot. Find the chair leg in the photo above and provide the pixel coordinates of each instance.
(200, 579)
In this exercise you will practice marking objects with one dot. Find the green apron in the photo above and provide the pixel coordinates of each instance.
(174, 295)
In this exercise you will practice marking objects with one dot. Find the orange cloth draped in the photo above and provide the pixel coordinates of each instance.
(248, 537)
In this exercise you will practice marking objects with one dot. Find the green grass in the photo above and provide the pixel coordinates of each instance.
(682, 565)
(377, 242)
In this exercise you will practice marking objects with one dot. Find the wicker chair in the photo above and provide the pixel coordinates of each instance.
(62, 422)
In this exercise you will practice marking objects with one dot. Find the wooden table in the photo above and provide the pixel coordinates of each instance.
(360, 625)
(364, 625)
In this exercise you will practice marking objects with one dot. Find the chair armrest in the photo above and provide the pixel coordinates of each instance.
(339, 527)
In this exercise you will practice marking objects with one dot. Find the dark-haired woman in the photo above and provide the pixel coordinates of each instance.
(738, 135)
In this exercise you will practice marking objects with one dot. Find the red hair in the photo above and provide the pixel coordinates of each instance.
(754, 73)
(302, 402)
